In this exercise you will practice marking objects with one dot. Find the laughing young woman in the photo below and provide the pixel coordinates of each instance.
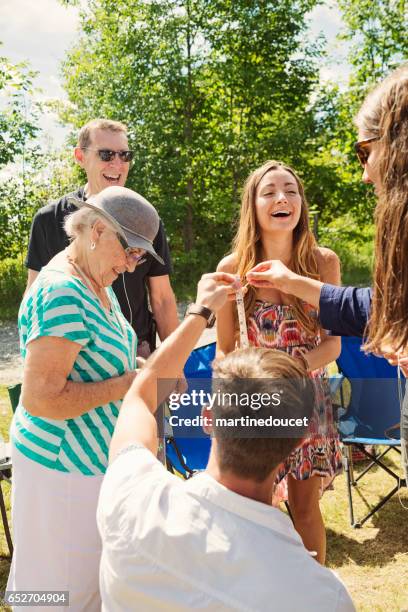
(274, 224)
(381, 314)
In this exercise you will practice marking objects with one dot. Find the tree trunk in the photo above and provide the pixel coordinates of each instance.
(188, 223)
(188, 136)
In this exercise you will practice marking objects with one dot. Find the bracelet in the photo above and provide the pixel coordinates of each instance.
(303, 359)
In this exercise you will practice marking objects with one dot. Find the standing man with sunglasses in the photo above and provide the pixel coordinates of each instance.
(104, 154)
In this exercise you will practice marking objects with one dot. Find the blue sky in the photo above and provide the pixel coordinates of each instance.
(41, 31)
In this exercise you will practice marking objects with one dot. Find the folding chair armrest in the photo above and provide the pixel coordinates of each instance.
(335, 382)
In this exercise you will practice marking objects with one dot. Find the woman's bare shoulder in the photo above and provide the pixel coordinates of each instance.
(229, 263)
(325, 257)
(328, 264)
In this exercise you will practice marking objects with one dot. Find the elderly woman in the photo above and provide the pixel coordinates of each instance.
(79, 360)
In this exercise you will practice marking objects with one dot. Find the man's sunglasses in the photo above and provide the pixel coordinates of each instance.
(107, 155)
(362, 150)
(134, 253)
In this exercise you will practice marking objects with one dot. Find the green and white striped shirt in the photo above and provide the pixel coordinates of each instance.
(60, 305)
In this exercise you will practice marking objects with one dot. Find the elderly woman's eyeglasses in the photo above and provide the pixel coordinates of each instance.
(362, 151)
(135, 254)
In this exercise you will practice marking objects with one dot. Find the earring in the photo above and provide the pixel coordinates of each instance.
(93, 245)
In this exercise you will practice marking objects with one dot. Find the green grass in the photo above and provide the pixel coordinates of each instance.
(13, 278)
(371, 561)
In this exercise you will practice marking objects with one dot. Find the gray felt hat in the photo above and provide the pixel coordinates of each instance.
(130, 213)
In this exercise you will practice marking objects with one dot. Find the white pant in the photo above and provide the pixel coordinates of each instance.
(56, 542)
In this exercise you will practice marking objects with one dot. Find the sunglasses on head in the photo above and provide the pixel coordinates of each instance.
(134, 253)
(362, 150)
(107, 155)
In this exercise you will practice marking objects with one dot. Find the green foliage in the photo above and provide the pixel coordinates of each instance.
(17, 118)
(18, 128)
(29, 177)
(353, 243)
(13, 279)
(378, 30)
(334, 182)
(30, 184)
(210, 90)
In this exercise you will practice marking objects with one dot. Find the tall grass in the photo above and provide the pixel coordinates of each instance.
(13, 278)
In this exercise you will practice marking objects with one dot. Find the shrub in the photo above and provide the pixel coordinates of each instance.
(354, 244)
(13, 278)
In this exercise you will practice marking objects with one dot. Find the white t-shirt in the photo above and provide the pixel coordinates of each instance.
(174, 545)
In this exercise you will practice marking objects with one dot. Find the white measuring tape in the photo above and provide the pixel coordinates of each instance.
(243, 331)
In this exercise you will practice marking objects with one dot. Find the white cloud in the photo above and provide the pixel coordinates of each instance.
(326, 18)
(41, 32)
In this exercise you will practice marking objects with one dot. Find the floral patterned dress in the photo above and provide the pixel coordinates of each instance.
(274, 326)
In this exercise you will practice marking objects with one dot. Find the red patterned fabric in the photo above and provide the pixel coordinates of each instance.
(274, 326)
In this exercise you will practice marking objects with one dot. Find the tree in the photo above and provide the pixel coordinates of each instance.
(18, 127)
(210, 89)
(17, 122)
(378, 34)
(29, 175)
(378, 31)
(29, 186)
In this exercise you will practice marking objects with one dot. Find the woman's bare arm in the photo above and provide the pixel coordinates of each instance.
(225, 317)
(273, 274)
(330, 347)
(46, 392)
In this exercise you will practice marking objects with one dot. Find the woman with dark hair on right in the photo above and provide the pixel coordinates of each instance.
(382, 149)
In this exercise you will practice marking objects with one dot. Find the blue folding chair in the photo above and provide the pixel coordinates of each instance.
(372, 416)
(187, 454)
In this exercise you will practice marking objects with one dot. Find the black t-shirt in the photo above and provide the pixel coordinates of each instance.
(48, 237)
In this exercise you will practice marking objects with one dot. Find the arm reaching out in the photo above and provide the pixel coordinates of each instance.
(397, 359)
(343, 310)
(273, 274)
(136, 422)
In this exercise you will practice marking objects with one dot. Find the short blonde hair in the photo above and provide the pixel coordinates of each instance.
(256, 371)
(85, 133)
(82, 219)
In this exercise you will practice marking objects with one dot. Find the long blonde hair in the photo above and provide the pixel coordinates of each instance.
(384, 114)
(247, 242)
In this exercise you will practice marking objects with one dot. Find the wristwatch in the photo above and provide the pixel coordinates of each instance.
(202, 311)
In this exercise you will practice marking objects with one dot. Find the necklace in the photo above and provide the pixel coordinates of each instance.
(110, 312)
(88, 283)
